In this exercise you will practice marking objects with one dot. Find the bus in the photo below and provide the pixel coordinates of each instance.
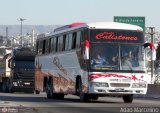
(66, 61)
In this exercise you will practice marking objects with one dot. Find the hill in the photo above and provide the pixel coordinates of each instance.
(14, 30)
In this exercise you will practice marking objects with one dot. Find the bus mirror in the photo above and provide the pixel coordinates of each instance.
(146, 45)
(86, 50)
(153, 49)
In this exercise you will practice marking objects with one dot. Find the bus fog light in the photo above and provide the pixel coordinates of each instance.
(138, 85)
(99, 84)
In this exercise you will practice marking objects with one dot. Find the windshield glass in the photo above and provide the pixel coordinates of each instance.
(132, 57)
(116, 57)
(24, 64)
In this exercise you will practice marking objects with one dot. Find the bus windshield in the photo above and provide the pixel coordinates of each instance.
(118, 57)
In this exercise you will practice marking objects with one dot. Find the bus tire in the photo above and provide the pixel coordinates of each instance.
(83, 96)
(49, 89)
(128, 98)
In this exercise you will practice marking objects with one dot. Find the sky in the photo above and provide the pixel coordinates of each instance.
(60, 12)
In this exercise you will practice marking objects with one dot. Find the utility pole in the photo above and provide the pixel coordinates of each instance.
(152, 32)
(6, 35)
(21, 40)
(33, 37)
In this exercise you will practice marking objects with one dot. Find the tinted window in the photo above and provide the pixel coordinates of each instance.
(70, 42)
(74, 36)
(64, 42)
(78, 40)
(67, 42)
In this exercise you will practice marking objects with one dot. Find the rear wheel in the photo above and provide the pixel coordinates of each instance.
(128, 98)
(49, 89)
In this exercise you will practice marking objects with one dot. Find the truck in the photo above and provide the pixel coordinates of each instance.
(17, 71)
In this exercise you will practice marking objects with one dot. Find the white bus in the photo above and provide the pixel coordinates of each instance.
(68, 61)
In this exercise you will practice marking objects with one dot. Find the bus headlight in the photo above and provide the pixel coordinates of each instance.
(139, 85)
(99, 84)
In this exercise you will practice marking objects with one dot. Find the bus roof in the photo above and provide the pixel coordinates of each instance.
(113, 25)
(95, 25)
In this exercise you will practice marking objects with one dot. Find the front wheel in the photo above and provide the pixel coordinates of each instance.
(128, 98)
(83, 96)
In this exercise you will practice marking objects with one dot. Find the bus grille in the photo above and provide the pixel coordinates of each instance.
(119, 85)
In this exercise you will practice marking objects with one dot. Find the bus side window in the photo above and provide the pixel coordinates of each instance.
(78, 40)
(70, 42)
(46, 46)
(37, 47)
(56, 44)
(84, 35)
(74, 36)
(43, 46)
(64, 43)
(67, 42)
(52, 44)
(49, 45)
(60, 41)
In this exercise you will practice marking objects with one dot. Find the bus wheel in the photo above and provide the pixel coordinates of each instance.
(128, 98)
(49, 89)
(83, 96)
